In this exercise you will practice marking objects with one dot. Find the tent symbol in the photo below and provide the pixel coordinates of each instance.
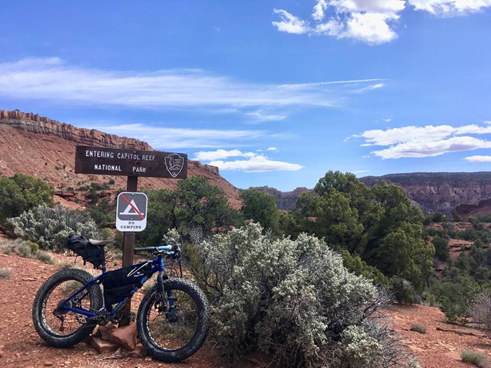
(131, 209)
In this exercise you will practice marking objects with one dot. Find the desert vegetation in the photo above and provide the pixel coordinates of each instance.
(301, 286)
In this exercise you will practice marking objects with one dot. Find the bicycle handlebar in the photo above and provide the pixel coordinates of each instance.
(161, 248)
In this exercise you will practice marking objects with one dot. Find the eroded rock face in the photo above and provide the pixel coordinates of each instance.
(44, 148)
(440, 192)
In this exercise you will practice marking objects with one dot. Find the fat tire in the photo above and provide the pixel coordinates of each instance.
(95, 294)
(172, 356)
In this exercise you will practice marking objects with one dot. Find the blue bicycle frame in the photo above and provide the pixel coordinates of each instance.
(158, 266)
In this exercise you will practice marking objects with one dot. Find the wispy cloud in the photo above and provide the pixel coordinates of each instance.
(174, 138)
(427, 141)
(372, 22)
(272, 149)
(55, 80)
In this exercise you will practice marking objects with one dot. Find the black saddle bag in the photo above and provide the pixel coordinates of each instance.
(118, 284)
(90, 253)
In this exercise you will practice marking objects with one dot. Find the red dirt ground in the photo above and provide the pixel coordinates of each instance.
(20, 346)
(436, 348)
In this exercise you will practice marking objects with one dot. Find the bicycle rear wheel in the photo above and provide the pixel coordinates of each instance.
(173, 326)
(57, 326)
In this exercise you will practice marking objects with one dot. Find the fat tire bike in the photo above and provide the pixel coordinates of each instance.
(172, 319)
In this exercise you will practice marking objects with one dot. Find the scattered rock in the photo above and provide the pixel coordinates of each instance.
(138, 352)
(103, 346)
(104, 331)
(124, 336)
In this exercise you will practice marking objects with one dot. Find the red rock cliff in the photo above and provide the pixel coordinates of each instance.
(45, 148)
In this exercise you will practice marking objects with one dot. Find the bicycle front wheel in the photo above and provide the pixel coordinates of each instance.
(173, 326)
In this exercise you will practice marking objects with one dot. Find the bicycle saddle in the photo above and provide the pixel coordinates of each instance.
(99, 242)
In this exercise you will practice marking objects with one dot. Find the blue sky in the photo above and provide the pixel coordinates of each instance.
(273, 92)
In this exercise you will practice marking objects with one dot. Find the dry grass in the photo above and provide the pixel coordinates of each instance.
(475, 358)
(5, 273)
(418, 328)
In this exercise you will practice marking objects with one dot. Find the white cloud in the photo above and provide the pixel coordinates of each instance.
(221, 153)
(174, 138)
(257, 163)
(430, 149)
(450, 7)
(54, 80)
(290, 23)
(272, 149)
(369, 21)
(427, 141)
(359, 171)
(479, 158)
(319, 10)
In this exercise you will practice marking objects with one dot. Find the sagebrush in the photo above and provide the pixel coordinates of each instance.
(292, 299)
(50, 227)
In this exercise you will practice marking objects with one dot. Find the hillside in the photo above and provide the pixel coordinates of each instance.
(45, 148)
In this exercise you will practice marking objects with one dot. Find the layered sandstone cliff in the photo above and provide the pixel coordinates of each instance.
(45, 148)
(440, 192)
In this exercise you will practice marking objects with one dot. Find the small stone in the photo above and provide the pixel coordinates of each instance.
(48, 364)
(138, 352)
(124, 336)
(102, 346)
(104, 331)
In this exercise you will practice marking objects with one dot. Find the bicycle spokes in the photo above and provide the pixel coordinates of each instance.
(57, 318)
(174, 320)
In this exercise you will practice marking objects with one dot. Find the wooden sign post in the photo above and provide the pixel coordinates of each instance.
(133, 164)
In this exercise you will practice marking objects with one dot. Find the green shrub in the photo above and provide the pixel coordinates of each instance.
(5, 273)
(361, 268)
(104, 213)
(418, 328)
(21, 193)
(430, 299)
(475, 358)
(402, 290)
(292, 299)
(441, 248)
(50, 227)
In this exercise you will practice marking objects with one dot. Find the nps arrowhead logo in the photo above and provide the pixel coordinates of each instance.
(174, 164)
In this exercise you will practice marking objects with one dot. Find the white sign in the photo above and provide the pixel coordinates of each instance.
(131, 212)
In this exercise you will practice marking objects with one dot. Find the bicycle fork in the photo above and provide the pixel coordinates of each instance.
(167, 300)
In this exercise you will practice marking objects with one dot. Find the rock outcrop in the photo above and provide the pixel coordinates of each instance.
(45, 148)
(440, 192)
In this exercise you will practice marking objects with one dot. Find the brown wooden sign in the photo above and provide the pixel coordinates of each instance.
(126, 162)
